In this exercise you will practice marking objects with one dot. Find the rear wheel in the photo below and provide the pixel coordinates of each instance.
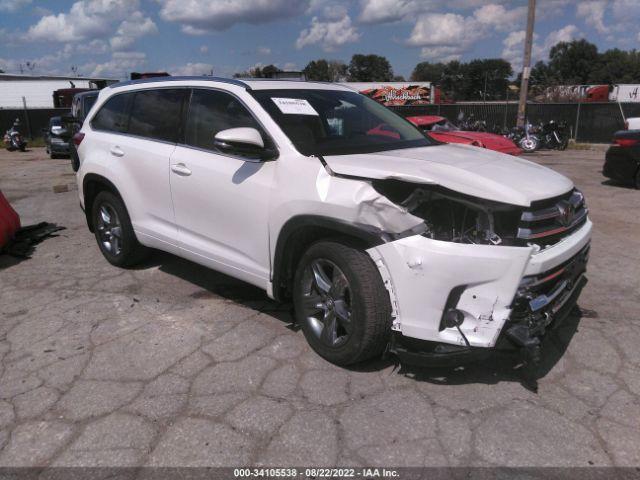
(637, 179)
(341, 303)
(114, 233)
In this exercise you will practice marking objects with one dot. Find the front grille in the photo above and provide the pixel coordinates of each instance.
(547, 222)
(539, 294)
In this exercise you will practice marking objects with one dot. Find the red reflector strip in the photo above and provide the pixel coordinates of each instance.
(546, 233)
(626, 142)
(552, 276)
(77, 138)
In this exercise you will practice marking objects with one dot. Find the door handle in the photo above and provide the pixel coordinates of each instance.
(180, 169)
(116, 151)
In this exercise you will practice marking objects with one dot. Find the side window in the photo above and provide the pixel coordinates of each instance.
(211, 111)
(114, 114)
(157, 113)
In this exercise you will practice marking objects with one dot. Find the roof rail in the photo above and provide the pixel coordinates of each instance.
(142, 81)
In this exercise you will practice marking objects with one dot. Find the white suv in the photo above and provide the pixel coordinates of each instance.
(381, 236)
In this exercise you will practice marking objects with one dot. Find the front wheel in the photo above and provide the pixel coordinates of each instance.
(341, 303)
(529, 144)
(637, 179)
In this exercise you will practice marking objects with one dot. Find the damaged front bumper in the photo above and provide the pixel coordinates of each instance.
(506, 296)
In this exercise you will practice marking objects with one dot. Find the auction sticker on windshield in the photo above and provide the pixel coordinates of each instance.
(294, 106)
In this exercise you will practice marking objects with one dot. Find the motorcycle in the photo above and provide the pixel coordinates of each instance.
(553, 136)
(471, 124)
(13, 140)
(524, 138)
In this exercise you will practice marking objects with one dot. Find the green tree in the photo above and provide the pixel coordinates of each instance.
(369, 68)
(616, 66)
(429, 72)
(571, 63)
(486, 79)
(258, 72)
(317, 70)
(479, 79)
(325, 70)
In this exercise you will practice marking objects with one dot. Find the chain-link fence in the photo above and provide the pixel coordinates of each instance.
(588, 122)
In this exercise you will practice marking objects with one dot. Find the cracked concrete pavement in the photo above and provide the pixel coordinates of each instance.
(172, 364)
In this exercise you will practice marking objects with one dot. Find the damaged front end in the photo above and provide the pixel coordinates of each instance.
(482, 274)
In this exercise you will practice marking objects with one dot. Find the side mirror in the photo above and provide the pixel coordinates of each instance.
(244, 141)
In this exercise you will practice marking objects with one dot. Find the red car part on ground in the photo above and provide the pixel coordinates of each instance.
(9, 221)
(444, 131)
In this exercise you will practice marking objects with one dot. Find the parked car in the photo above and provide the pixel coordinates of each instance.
(433, 251)
(80, 107)
(622, 161)
(57, 137)
(444, 131)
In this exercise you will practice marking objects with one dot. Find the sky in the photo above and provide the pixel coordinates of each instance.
(110, 38)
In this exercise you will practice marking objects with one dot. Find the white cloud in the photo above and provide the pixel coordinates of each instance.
(120, 65)
(290, 67)
(593, 14)
(191, 69)
(87, 19)
(498, 17)
(12, 6)
(513, 50)
(94, 47)
(204, 49)
(263, 50)
(329, 34)
(202, 16)
(447, 36)
(132, 28)
(386, 11)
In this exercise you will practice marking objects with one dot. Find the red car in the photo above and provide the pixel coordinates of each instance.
(444, 131)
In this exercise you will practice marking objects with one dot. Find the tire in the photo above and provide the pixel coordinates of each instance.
(530, 144)
(113, 231)
(564, 143)
(637, 180)
(359, 310)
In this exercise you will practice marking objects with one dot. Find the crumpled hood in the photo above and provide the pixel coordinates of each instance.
(477, 172)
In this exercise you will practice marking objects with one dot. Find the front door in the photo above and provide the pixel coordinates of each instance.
(221, 199)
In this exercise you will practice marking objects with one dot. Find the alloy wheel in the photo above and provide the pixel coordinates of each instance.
(326, 302)
(109, 229)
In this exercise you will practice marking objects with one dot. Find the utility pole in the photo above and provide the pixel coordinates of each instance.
(526, 64)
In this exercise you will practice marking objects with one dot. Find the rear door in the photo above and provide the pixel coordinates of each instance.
(221, 199)
(138, 133)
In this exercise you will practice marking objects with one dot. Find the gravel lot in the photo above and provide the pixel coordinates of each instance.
(173, 364)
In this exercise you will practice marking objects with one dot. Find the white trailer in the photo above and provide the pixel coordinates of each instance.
(625, 93)
(38, 90)
(397, 93)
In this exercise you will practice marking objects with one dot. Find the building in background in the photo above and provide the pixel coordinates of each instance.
(38, 90)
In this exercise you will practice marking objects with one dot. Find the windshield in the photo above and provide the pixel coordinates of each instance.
(444, 125)
(335, 122)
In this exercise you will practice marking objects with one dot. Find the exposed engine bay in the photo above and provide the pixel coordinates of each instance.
(453, 217)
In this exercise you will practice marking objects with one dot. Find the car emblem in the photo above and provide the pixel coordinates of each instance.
(567, 213)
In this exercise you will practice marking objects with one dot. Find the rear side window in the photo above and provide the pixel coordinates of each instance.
(114, 114)
(211, 111)
(156, 114)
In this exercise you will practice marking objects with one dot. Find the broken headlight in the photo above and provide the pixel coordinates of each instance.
(453, 217)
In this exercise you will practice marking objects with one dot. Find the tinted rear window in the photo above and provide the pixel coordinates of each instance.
(114, 114)
(156, 114)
